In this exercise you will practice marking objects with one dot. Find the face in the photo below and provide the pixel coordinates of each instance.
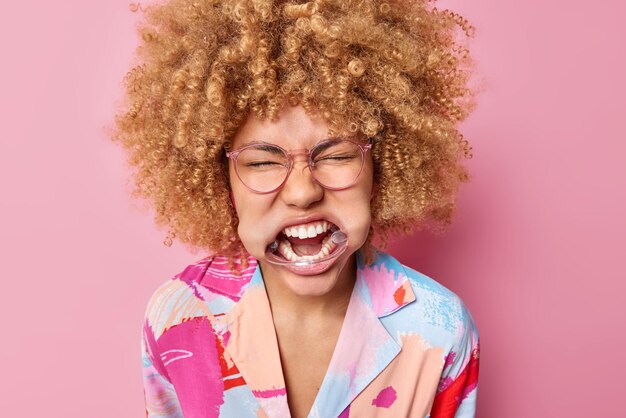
(300, 204)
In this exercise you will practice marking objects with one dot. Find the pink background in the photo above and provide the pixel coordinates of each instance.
(536, 252)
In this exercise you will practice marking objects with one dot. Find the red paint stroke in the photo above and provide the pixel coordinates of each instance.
(233, 383)
(228, 372)
(398, 295)
(447, 402)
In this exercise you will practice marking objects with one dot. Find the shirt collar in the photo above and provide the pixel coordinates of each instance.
(242, 318)
(383, 284)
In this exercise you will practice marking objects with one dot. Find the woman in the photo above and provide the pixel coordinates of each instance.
(283, 137)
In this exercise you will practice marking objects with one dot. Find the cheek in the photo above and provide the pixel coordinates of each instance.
(360, 224)
(239, 197)
(230, 176)
(369, 191)
(375, 189)
(252, 212)
(248, 234)
(360, 210)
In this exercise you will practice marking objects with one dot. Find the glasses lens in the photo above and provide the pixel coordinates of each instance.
(262, 167)
(337, 164)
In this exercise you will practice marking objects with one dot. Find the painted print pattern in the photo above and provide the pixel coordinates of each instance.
(210, 349)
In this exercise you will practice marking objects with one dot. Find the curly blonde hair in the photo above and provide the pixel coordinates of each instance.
(393, 71)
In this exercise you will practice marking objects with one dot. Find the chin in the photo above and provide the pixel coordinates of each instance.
(314, 285)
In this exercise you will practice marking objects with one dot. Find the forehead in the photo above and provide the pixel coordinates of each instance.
(293, 129)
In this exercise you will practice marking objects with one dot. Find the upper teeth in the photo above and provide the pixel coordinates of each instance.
(310, 230)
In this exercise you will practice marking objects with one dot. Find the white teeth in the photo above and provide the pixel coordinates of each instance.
(310, 230)
(328, 246)
(286, 250)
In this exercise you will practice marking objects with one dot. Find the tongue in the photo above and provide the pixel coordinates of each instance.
(306, 241)
(307, 246)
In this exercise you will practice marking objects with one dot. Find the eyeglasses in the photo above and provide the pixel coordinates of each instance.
(335, 164)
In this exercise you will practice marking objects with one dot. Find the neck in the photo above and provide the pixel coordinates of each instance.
(285, 303)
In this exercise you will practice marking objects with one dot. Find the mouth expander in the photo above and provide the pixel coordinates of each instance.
(337, 237)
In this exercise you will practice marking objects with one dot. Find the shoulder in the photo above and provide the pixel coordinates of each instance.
(207, 287)
(437, 310)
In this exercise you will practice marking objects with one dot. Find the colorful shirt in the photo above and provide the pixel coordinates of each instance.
(408, 347)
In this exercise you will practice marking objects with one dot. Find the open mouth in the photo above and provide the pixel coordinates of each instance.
(306, 244)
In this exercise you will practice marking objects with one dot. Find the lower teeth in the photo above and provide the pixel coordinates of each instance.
(286, 250)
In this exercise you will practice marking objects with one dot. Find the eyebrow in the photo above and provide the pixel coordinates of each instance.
(325, 144)
(264, 146)
(268, 146)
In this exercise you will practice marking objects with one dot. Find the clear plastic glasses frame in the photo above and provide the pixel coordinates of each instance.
(363, 147)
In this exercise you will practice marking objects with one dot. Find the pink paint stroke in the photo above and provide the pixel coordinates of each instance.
(345, 413)
(449, 359)
(385, 398)
(270, 393)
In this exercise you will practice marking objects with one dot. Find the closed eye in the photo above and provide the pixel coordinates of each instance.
(260, 164)
(336, 157)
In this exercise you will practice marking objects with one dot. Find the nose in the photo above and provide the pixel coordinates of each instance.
(300, 189)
